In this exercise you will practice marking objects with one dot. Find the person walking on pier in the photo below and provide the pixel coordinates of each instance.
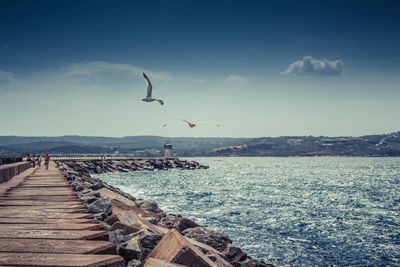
(33, 160)
(46, 161)
(39, 161)
(29, 158)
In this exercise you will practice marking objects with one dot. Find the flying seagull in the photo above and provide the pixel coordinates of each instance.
(149, 89)
(192, 124)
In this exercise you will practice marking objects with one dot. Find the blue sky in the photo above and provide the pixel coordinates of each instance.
(259, 68)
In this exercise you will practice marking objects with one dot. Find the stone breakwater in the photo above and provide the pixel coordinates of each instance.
(143, 234)
(88, 167)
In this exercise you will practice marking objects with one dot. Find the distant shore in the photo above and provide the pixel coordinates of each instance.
(379, 145)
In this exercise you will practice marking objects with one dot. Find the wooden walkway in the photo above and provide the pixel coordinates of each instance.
(43, 223)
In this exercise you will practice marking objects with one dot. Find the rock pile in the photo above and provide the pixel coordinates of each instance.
(87, 167)
(143, 234)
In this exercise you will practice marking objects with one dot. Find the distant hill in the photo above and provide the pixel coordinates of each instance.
(370, 145)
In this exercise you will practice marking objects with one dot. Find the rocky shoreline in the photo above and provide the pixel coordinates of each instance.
(144, 235)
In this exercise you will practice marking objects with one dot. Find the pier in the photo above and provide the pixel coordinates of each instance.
(43, 222)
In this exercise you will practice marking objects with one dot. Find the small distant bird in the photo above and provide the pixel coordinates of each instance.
(193, 124)
(149, 89)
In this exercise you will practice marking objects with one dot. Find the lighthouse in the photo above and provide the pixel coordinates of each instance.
(167, 150)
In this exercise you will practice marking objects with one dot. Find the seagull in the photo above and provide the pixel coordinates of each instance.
(149, 89)
(192, 124)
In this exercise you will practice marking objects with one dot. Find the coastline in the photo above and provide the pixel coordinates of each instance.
(139, 228)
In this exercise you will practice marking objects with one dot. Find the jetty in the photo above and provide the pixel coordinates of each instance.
(43, 222)
(64, 216)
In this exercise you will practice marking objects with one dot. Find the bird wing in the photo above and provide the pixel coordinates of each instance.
(186, 121)
(216, 124)
(165, 125)
(149, 86)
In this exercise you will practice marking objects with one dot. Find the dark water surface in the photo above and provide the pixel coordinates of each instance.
(320, 211)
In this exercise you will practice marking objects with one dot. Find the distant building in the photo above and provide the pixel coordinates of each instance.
(167, 150)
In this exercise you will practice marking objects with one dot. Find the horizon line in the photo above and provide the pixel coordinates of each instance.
(211, 137)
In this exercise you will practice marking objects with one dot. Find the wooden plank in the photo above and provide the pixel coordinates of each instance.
(56, 246)
(37, 220)
(66, 198)
(43, 198)
(47, 215)
(53, 226)
(46, 177)
(53, 234)
(37, 202)
(65, 260)
(44, 181)
(40, 210)
(40, 193)
(43, 189)
(34, 186)
(44, 185)
(48, 205)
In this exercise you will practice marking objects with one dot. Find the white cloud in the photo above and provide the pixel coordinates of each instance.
(88, 76)
(90, 68)
(6, 76)
(233, 83)
(234, 78)
(319, 67)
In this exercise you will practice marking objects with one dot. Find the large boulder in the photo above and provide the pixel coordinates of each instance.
(159, 165)
(149, 168)
(132, 217)
(134, 263)
(177, 222)
(88, 193)
(116, 237)
(80, 185)
(139, 245)
(149, 206)
(127, 229)
(176, 249)
(219, 260)
(102, 206)
(234, 254)
(96, 186)
(215, 239)
(88, 199)
(69, 177)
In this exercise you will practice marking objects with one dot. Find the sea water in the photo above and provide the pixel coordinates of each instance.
(315, 211)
